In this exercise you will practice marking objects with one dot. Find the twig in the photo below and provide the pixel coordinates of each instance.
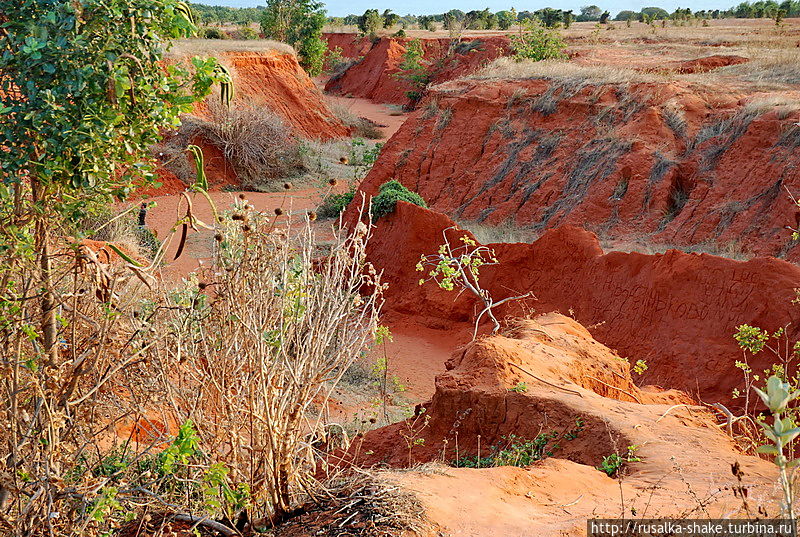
(572, 502)
(670, 409)
(629, 394)
(204, 521)
(547, 382)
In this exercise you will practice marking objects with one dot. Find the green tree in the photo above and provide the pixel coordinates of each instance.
(83, 95)
(370, 23)
(298, 23)
(535, 42)
(590, 13)
(566, 19)
(505, 19)
(389, 18)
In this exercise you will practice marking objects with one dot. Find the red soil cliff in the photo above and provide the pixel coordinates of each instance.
(274, 79)
(676, 311)
(375, 76)
(670, 162)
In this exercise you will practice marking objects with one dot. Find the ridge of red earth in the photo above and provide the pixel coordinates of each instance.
(583, 392)
(676, 311)
(674, 162)
(375, 75)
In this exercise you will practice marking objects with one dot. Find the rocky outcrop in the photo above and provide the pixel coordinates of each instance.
(668, 162)
(676, 311)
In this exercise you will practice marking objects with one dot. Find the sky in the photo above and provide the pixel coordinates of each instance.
(339, 8)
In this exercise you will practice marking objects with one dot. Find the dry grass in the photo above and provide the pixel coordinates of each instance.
(507, 232)
(565, 71)
(776, 68)
(257, 143)
(362, 127)
(208, 47)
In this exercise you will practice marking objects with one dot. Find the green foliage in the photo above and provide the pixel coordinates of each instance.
(298, 23)
(640, 367)
(505, 19)
(613, 463)
(221, 15)
(84, 94)
(751, 338)
(333, 204)
(427, 22)
(390, 193)
(370, 23)
(517, 451)
(781, 433)
(415, 70)
(521, 387)
(452, 268)
(534, 42)
(214, 33)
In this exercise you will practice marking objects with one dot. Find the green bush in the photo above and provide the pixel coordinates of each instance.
(214, 33)
(390, 193)
(513, 450)
(535, 42)
(334, 204)
(245, 33)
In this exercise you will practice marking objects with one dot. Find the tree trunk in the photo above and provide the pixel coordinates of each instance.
(48, 325)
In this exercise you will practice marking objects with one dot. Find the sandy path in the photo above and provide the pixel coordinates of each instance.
(386, 116)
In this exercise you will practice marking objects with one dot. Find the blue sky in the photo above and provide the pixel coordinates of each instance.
(426, 7)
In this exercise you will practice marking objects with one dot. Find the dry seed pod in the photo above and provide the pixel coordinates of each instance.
(278, 211)
(287, 186)
(218, 237)
(312, 216)
(332, 182)
(344, 160)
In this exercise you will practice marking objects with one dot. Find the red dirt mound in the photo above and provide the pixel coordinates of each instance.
(668, 161)
(548, 376)
(375, 76)
(676, 311)
(275, 79)
(708, 63)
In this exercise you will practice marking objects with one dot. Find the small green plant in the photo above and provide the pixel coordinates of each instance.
(333, 204)
(390, 193)
(535, 42)
(781, 432)
(459, 267)
(521, 387)
(214, 33)
(514, 450)
(640, 367)
(415, 70)
(612, 464)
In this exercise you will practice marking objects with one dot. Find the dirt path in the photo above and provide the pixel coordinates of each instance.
(388, 117)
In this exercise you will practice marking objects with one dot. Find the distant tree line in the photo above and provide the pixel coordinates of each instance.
(227, 15)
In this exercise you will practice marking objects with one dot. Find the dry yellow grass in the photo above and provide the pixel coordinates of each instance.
(200, 47)
(508, 68)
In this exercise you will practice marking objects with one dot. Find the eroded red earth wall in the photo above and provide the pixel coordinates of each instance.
(671, 162)
(676, 311)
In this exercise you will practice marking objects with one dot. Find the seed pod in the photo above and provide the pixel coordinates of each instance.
(332, 182)
(237, 216)
(312, 216)
(278, 211)
(287, 186)
(344, 160)
(218, 237)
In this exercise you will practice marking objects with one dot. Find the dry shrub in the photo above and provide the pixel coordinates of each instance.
(59, 408)
(223, 381)
(362, 127)
(255, 141)
(257, 355)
